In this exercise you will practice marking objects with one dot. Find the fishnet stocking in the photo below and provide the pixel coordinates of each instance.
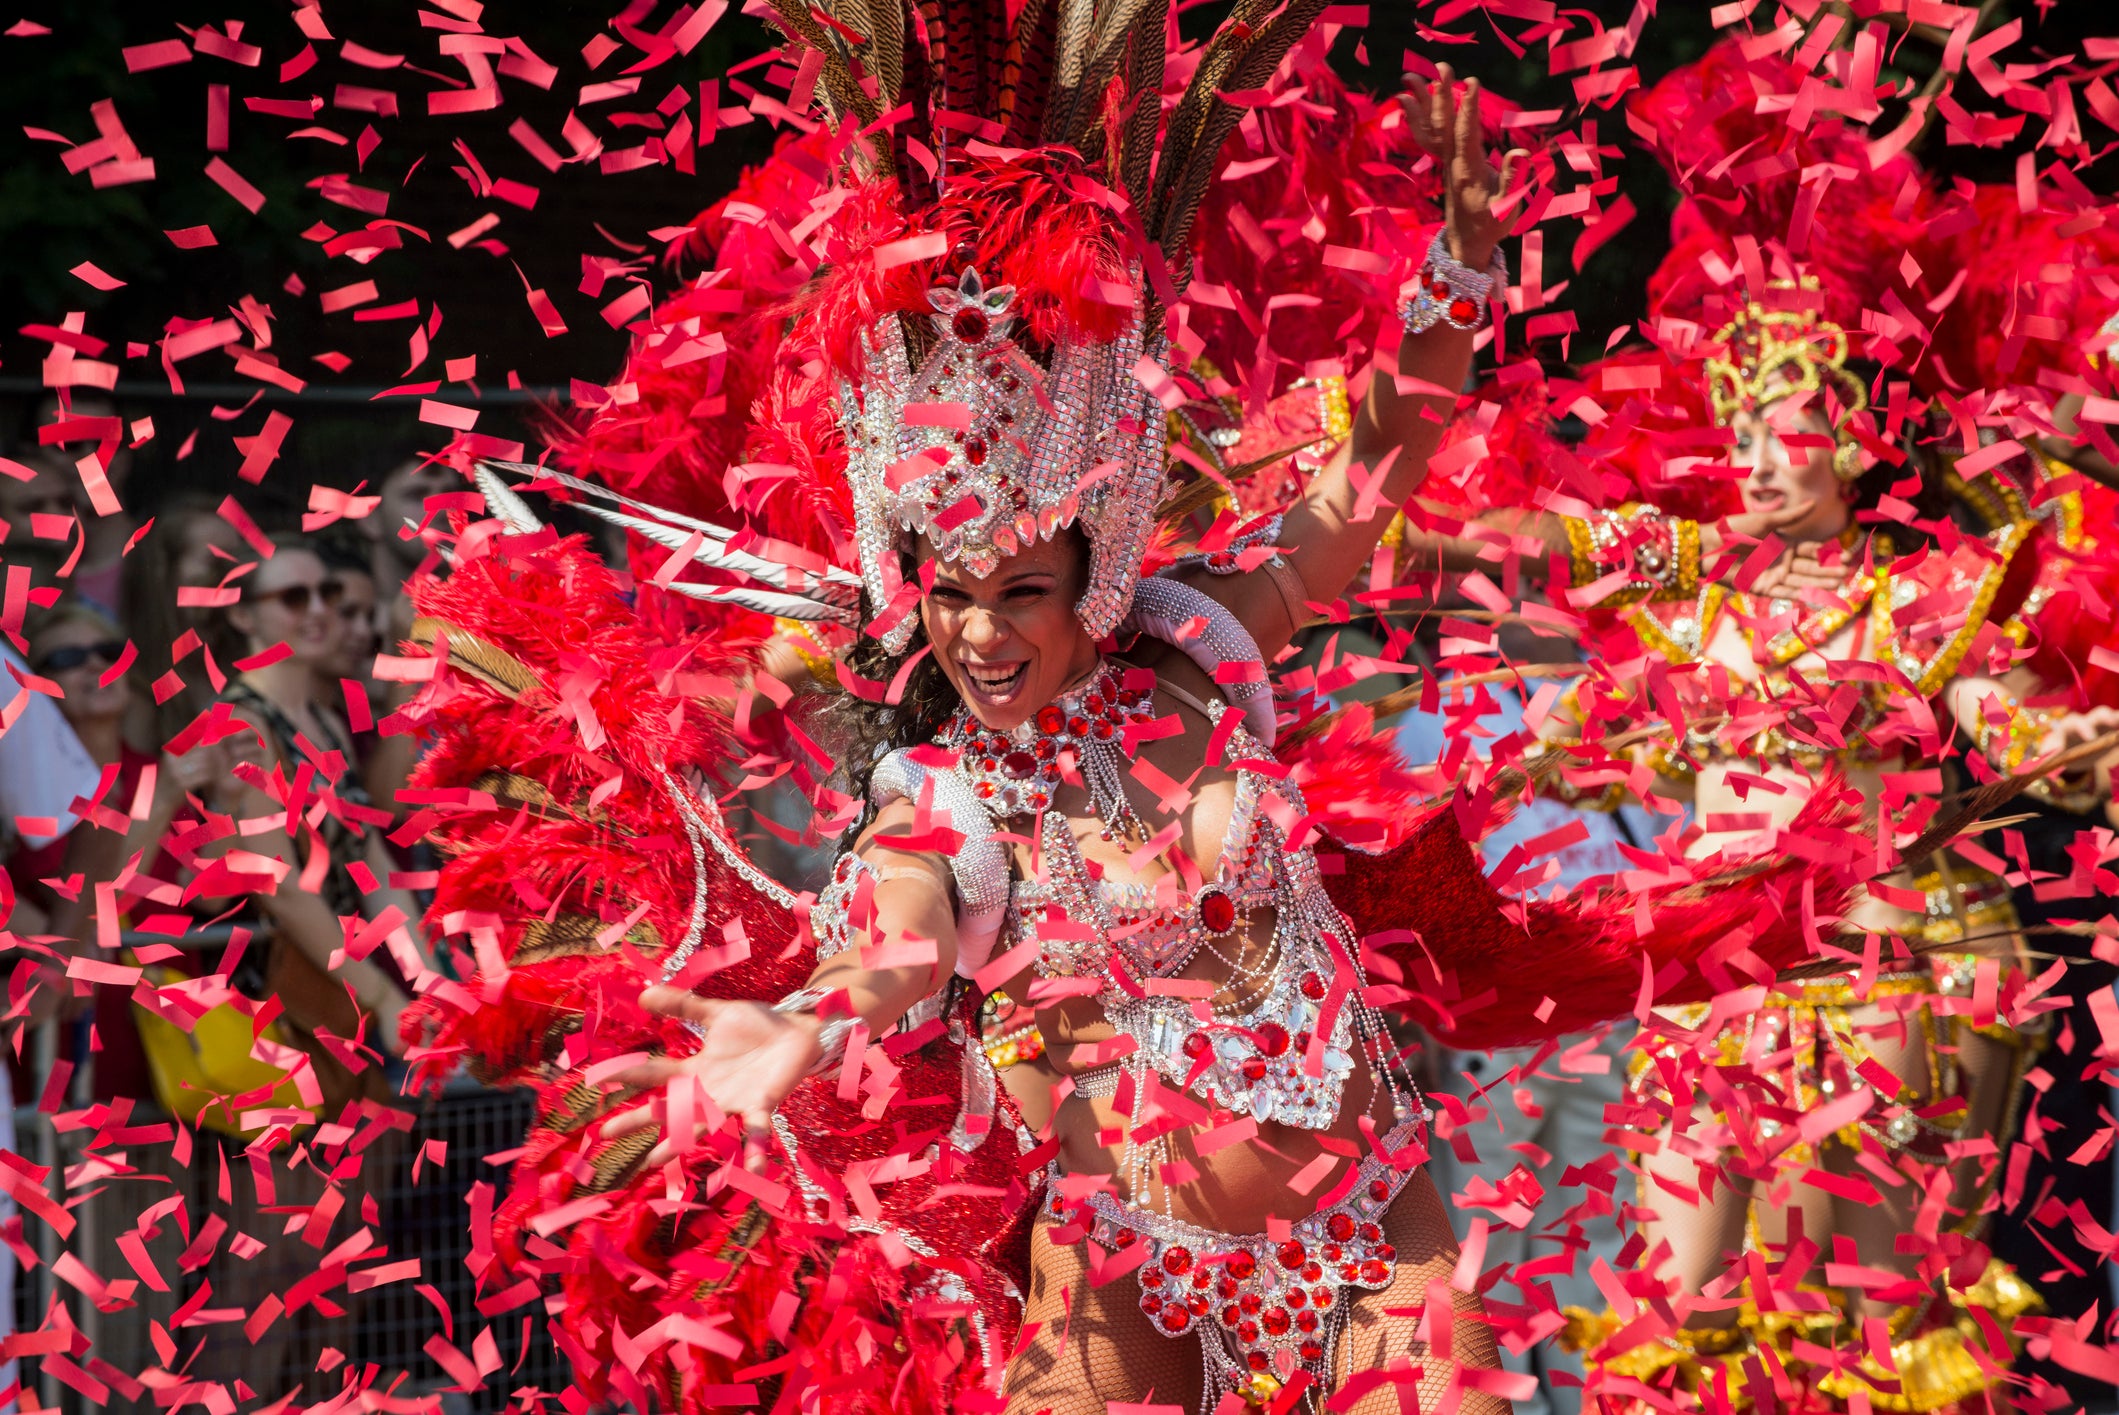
(1093, 1345)
(1419, 1228)
(1110, 1351)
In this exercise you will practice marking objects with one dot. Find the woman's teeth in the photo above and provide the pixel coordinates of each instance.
(993, 680)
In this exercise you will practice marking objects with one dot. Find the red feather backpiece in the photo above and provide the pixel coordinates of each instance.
(1480, 969)
(871, 1260)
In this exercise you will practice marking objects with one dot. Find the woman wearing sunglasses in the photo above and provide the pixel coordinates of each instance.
(295, 798)
(292, 632)
(79, 649)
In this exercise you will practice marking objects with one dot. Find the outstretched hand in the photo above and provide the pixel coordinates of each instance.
(1449, 131)
(749, 1059)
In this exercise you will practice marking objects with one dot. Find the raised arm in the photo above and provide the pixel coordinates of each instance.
(1330, 533)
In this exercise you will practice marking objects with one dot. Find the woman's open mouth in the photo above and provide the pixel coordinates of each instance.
(995, 684)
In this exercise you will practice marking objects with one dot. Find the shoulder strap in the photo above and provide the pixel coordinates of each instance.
(1205, 710)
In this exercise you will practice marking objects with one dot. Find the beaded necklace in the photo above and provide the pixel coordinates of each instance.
(1016, 772)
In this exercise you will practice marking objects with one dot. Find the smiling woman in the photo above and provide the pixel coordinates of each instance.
(1051, 663)
(1010, 642)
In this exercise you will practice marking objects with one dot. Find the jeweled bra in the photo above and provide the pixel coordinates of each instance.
(1286, 1052)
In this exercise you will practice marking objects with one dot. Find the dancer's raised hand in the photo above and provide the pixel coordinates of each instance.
(1448, 128)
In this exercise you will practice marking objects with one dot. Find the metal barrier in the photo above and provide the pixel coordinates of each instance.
(388, 1325)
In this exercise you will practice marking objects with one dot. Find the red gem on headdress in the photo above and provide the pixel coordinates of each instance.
(1292, 1254)
(1462, 311)
(1195, 1046)
(1273, 1041)
(1019, 764)
(1218, 913)
(1307, 1321)
(1379, 1190)
(1230, 1316)
(1312, 986)
(1247, 1331)
(1226, 1288)
(1241, 1265)
(1175, 1318)
(969, 325)
(1375, 1272)
(1079, 726)
(1050, 720)
(1369, 1233)
(1296, 1298)
(1340, 1226)
(1257, 1360)
(1177, 1260)
(975, 451)
(1386, 1253)
(1312, 1351)
(1276, 1323)
(1254, 1070)
(1250, 1302)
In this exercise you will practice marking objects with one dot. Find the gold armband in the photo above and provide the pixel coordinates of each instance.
(1661, 554)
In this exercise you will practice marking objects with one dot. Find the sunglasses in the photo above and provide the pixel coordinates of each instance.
(296, 599)
(74, 655)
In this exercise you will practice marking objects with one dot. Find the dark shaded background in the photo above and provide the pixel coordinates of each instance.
(51, 220)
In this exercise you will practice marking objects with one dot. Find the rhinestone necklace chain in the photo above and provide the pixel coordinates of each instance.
(1018, 771)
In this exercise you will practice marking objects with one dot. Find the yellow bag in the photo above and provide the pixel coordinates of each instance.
(210, 1063)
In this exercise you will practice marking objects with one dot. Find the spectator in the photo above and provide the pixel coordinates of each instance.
(403, 492)
(386, 758)
(290, 599)
(74, 426)
(76, 647)
(43, 770)
(189, 547)
(1547, 1118)
(354, 574)
(43, 493)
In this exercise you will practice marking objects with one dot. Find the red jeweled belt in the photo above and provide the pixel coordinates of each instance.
(1272, 1306)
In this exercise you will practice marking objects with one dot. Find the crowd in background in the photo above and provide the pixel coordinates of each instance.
(178, 670)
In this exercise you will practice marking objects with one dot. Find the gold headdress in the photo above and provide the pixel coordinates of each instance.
(1773, 354)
